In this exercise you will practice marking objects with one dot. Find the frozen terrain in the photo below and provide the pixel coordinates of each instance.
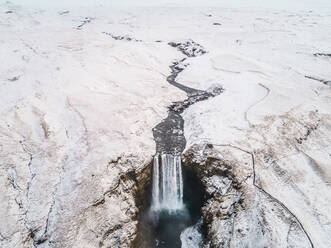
(81, 89)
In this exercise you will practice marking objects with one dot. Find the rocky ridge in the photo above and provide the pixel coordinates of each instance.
(238, 212)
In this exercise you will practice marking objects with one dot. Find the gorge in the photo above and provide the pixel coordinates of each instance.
(169, 214)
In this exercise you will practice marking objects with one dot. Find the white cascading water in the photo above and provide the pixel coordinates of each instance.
(167, 191)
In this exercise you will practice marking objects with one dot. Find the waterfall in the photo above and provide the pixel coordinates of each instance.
(167, 191)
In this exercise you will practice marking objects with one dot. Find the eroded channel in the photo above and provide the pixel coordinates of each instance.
(170, 217)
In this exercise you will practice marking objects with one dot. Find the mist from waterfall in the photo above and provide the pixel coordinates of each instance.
(167, 191)
(172, 211)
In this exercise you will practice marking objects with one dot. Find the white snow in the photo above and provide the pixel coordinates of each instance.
(191, 237)
(74, 100)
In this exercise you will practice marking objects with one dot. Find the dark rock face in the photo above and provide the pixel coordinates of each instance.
(189, 48)
(84, 22)
(324, 81)
(13, 79)
(119, 37)
(64, 12)
(322, 54)
(238, 212)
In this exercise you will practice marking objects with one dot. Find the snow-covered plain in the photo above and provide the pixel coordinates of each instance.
(82, 88)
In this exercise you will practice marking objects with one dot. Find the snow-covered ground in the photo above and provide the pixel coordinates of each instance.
(294, 5)
(82, 87)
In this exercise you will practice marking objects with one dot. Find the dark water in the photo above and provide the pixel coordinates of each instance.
(163, 229)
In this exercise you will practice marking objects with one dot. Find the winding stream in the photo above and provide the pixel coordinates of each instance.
(177, 195)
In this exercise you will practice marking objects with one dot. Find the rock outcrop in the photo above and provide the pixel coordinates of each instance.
(238, 212)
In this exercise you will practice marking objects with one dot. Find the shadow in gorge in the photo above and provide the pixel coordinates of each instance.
(163, 229)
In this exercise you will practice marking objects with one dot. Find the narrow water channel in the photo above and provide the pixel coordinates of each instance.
(172, 218)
